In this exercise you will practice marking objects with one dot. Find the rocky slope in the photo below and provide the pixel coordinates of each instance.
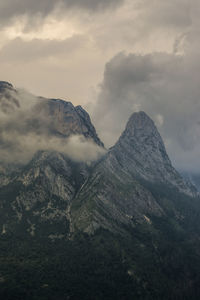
(36, 200)
(118, 190)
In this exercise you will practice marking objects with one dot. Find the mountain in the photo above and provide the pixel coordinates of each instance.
(122, 226)
(118, 189)
(37, 194)
(56, 116)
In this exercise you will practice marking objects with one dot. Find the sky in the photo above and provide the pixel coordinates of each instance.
(113, 57)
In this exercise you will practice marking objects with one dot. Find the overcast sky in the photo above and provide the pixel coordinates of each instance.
(113, 57)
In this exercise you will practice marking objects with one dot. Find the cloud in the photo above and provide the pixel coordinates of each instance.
(171, 13)
(21, 148)
(53, 68)
(39, 9)
(166, 86)
(73, 43)
(72, 47)
(18, 50)
(26, 126)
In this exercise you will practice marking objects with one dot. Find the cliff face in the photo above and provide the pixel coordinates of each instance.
(68, 120)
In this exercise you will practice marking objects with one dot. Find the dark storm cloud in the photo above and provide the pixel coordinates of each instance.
(166, 86)
(10, 9)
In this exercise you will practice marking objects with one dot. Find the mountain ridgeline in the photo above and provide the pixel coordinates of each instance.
(125, 225)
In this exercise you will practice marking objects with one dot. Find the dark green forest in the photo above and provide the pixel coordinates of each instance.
(148, 263)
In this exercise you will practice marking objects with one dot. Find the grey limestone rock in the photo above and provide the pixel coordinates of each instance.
(141, 150)
(117, 190)
(53, 196)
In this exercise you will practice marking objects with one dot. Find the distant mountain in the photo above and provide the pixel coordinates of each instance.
(125, 226)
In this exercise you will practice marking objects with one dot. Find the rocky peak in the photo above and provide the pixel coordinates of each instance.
(141, 129)
(141, 150)
(143, 137)
(139, 121)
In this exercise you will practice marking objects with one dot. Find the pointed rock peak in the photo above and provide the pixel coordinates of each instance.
(140, 124)
(142, 147)
(140, 151)
(140, 120)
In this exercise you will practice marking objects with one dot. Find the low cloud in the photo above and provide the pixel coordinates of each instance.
(27, 127)
(21, 149)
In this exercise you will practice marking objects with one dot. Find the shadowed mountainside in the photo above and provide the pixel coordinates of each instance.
(125, 226)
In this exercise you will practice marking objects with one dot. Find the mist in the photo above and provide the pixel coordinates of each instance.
(27, 127)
